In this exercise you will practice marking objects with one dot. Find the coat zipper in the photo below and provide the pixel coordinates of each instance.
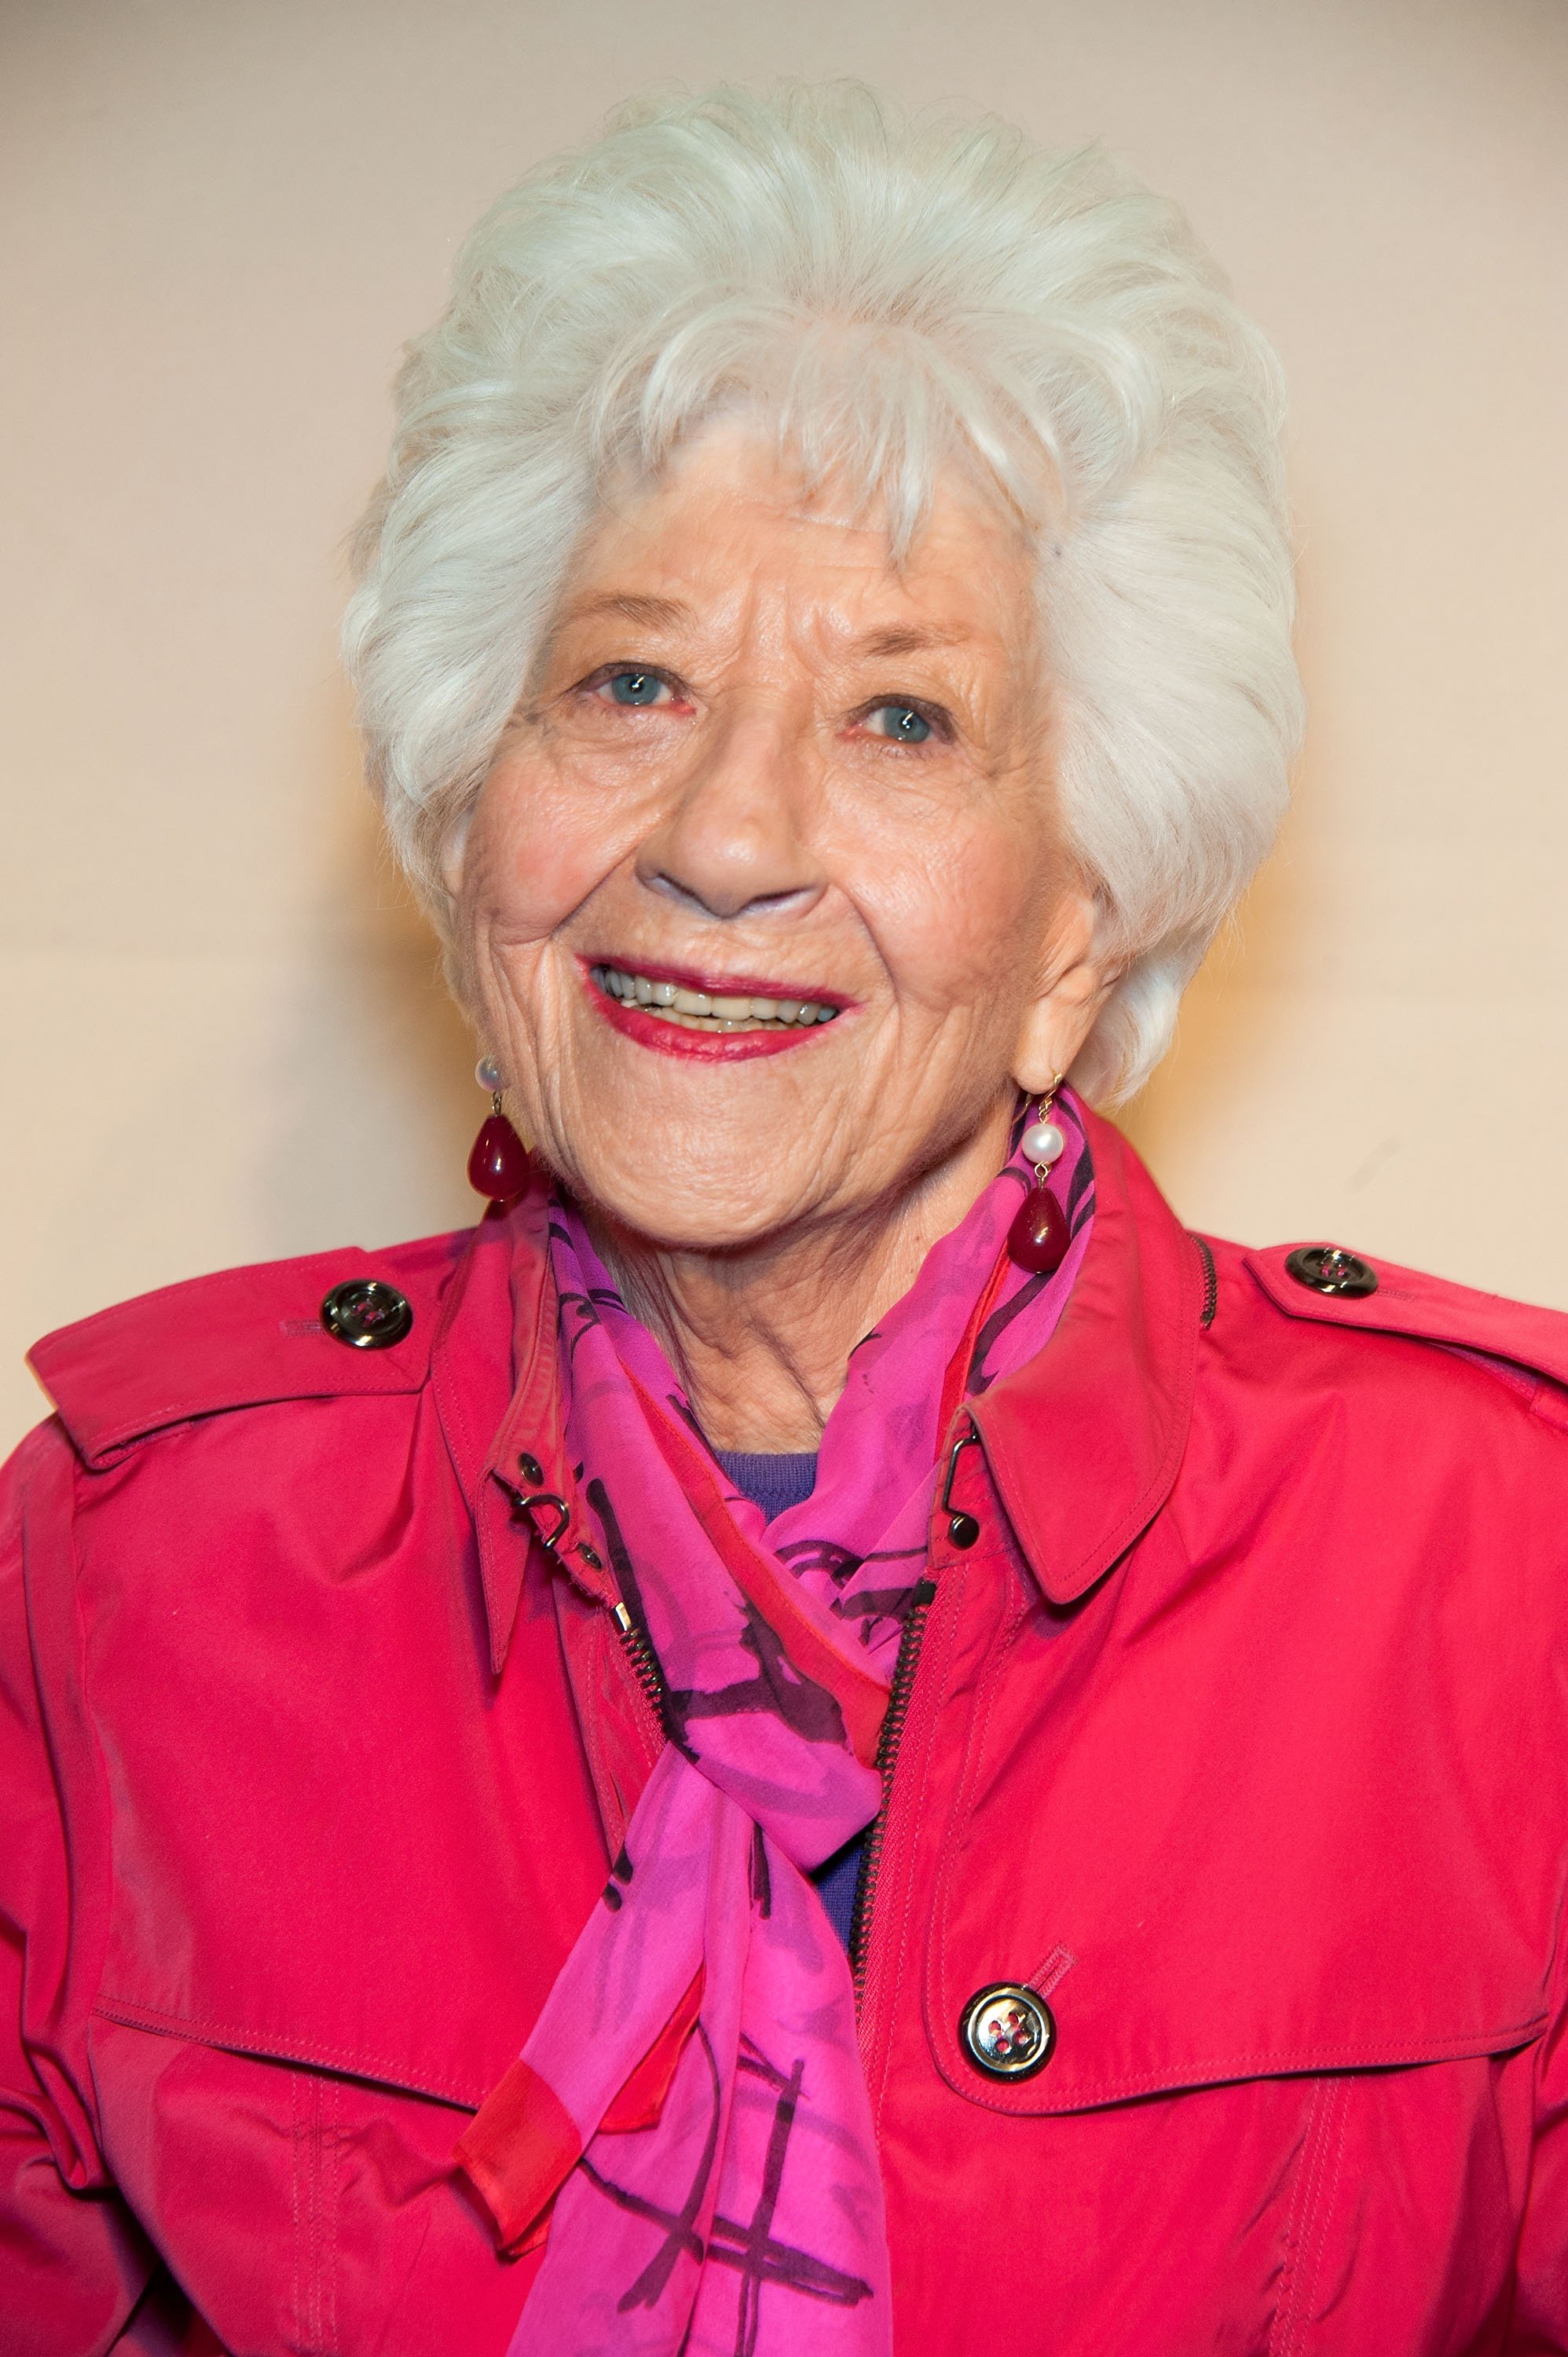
(645, 1668)
(644, 1663)
(921, 1596)
(1210, 1283)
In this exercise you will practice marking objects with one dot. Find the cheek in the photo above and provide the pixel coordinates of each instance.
(538, 847)
(957, 925)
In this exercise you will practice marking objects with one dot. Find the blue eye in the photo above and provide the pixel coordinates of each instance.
(635, 687)
(901, 722)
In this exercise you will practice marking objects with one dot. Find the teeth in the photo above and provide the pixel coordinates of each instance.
(699, 1010)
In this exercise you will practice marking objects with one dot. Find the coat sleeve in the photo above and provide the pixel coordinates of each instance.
(1539, 2323)
(73, 2263)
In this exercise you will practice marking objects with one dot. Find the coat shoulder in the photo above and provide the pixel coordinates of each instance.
(1353, 1293)
(244, 1337)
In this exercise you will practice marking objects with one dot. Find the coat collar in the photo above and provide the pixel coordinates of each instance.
(494, 1374)
(1083, 1444)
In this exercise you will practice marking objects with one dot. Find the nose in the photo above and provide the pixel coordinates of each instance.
(731, 840)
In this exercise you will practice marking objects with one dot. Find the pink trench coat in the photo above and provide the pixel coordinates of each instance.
(1241, 1728)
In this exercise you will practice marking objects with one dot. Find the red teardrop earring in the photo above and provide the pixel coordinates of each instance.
(497, 1167)
(1039, 1236)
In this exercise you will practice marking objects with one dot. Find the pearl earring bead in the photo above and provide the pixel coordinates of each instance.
(1042, 1142)
(487, 1073)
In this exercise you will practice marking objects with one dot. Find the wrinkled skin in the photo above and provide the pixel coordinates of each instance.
(768, 809)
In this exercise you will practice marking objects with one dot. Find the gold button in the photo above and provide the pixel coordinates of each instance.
(1330, 1268)
(366, 1314)
(1007, 2031)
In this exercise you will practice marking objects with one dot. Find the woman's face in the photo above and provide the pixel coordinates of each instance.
(763, 909)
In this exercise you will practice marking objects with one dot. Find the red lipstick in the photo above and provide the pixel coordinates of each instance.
(667, 1038)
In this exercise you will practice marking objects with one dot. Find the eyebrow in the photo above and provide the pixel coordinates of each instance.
(671, 614)
(649, 613)
(912, 640)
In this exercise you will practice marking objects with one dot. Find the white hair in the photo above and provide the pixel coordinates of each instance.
(898, 294)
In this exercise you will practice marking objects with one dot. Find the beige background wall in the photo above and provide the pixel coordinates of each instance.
(222, 1039)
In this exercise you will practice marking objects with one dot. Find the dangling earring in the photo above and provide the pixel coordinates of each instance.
(1038, 1237)
(497, 1167)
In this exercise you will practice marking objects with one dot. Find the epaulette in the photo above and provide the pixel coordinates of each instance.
(1330, 1283)
(337, 1322)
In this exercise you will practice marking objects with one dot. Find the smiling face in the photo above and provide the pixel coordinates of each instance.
(764, 909)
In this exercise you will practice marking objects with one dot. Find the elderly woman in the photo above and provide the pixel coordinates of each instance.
(828, 1734)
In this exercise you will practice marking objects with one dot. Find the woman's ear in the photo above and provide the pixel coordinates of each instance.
(453, 846)
(1075, 981)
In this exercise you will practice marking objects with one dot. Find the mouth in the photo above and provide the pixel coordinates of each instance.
(683, 1013)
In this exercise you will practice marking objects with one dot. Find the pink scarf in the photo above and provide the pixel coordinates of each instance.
(692, 2094)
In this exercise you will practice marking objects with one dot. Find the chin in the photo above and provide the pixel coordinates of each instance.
(681, 1208)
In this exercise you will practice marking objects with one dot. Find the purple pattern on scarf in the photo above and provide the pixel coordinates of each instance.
(749, 2221)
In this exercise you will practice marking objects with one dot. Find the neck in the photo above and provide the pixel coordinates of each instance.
(761, 1337)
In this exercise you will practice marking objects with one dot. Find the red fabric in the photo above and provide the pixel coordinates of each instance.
(517, 2149)
(522, 2141)
(641, 2102)
(1243, 1719)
